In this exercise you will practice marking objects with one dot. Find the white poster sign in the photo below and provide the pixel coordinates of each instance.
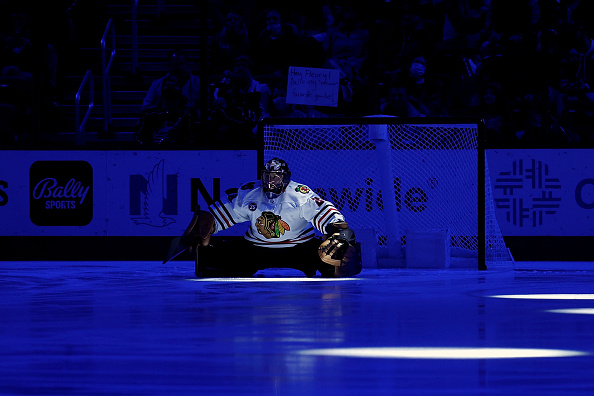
(313, 86)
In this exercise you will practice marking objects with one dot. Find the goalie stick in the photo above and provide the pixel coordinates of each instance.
(182, 243)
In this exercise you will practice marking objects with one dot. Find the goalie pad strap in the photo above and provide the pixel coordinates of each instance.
(344, 233)
(335, 227)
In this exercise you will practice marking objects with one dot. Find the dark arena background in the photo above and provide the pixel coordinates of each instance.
(118, 118)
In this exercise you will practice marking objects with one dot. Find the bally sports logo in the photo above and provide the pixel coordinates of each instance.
(61, 193)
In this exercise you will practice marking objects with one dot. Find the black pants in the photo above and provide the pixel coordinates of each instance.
(237, 257)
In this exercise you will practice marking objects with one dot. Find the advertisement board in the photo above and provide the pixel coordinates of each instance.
(114, 193)
(543, 192)
(537, 192)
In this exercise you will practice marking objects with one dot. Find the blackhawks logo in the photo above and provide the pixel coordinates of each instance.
(271, 225)
(302, 189)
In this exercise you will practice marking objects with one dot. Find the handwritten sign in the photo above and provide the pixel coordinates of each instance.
(312, 86)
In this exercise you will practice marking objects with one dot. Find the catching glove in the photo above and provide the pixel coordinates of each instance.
(338, 248)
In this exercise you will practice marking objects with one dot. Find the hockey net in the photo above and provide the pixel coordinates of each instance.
(433, 168)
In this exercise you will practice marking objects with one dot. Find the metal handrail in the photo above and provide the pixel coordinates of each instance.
(109, 29)
(81, 126)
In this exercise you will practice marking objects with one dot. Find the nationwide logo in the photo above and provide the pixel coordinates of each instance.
(61, 193)
(152, 207)
(154, 196)
(527, 193)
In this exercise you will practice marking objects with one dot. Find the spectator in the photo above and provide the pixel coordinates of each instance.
(577, 83)
(168, 122)
(492, 108)
(412, 75)
(242, 88)
(239, 102)
(464, 25)
(17, 48)
(179, 68)
(280, 108)
(578, 78)
(352, 90)
(274, 49)
(439, 98)
(400, 104)
(464, 22)
(171, 104)
(405, 40)
(230, 43)
(347, 38)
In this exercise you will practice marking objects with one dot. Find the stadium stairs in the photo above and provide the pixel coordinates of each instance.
(177, 27)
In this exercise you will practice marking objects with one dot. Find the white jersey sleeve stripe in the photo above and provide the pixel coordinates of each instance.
(222, 215)
(326, 214)
(321, 212)
(328, 220)
(227, 213)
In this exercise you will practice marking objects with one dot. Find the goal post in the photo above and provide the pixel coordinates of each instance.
(435, 170)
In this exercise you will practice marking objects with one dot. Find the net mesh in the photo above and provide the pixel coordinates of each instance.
(434, 169)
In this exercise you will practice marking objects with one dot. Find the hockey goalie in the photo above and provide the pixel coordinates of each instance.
(283, 216)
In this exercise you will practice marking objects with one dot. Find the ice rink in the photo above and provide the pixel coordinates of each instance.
(143, 328)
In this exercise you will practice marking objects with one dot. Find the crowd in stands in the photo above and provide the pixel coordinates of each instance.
(526, 67)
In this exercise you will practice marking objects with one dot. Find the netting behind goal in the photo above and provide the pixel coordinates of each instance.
(432, 169)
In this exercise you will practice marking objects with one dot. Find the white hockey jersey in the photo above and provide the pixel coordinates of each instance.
(285, 221)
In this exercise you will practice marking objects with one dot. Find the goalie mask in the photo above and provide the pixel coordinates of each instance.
(275, 178)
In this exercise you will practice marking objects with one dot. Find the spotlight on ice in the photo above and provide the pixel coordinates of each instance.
(274, 279)
(441, 353)
(579, 311)
(568, 296)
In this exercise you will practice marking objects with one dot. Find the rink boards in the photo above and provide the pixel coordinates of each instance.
(536, 192)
